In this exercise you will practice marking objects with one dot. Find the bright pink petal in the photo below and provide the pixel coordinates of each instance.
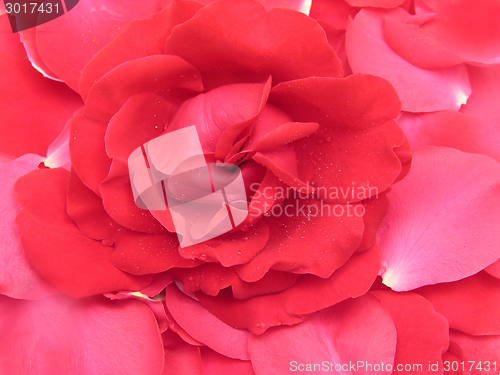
(215, 364)
(180, 357)
(452, 129)
(420, 90)
(93, 336)
(484, 102)
(375, 3)
(56, 248)
(205, 327)
(422, 332)
(355, 330)
(26, 98)
(480, 354)
(443, 224)
(67, 43)
(307, 237)
(140, 38)
(257, 46)
(293, 305)
(355, 134)
(471, 305)
(468, 28)
(17, 278)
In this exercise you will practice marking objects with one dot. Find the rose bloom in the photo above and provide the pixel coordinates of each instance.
(359, 253)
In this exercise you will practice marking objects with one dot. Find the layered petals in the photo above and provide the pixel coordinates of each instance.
(442, 225)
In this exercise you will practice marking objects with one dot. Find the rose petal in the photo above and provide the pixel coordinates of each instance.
(259, 44)
(205, 327)
(355, 330)
(356, 134)
(140, 38)
(484, 102)
(422, 332)
(81, 33)
(293, 305)
(332, 14)
(17, 278)
(471, 305)
(369, 53)
(215, 364)
(375, 3)
(56, 248)
(180, 357)
(27, 97)
(442, 225)
(64, 336)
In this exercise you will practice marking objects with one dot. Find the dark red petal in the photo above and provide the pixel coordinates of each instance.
(18, 279)
(353, 332)
(422, 332)
(168, 76)
(222, 114)
(140, 38)
(214, 363)
(443, 224)
(26, 98)
(416, 46)
(140, 253)
(205, 327)
(67, 43)
(352, 151)
(92, 336)
(420, 90)
(468, 28)
(452, 129)
(181, 358)
(56, 248)
(283, 43)
(309, 294)
(231, 248)
(471, 305)
(306, 236)
(480, 354)
(86, 210)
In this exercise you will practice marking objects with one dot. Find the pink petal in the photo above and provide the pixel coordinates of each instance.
(67, 43)
(443, 224)
(420, 90)
(180, 357)
(93, 336)
(17, 277)
(205, 327)
(375, 3)
(471, 305)
(26, 98)
(484, 102)
(422, 332)
(214, 363)
(356, 331)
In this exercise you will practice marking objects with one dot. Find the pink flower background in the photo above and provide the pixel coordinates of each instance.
(436, 299)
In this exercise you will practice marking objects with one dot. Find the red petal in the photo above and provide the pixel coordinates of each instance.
(306, 236)
(216, 364)
(17, 278)
(375, 3)
(420, 90)
(67, 43)
(282, 43)
(452, 129)
(471, 305)
(140, 254)
(309, 294)
(494, 269)
(422, 333)
(442, 225)
(332, 14)
(205, 327)
(210, 278)
(480, 354)
(352, 151)
(92, 336)
(180, 357)
(484, 102)
(375, 210)
(26, 97)
(468, 28)
(356, 332)
(56, 248)
(140, 38)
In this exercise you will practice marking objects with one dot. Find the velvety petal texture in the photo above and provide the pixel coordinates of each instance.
(66, 336)
(442, 224)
